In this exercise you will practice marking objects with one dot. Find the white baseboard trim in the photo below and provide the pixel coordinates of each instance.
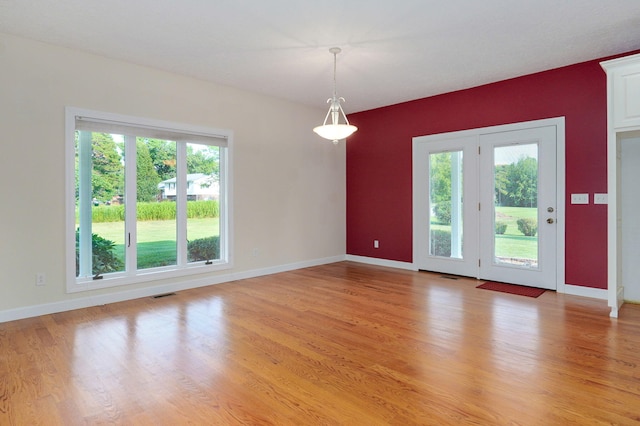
(574, 290)
(578, 290)
(381, 262)
(120, 296)
(89, 301)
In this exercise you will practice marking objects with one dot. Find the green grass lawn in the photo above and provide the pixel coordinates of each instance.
(510, 216)
(513, 244)
(517, 246)
(156, 239)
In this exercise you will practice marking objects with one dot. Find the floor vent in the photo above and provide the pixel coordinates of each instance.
(158, 296)
(449, 277)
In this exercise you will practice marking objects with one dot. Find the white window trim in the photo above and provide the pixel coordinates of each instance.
(74, 284)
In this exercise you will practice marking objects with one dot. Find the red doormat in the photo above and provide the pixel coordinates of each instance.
(512, 288)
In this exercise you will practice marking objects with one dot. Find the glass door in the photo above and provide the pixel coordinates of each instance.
(518, 207)
(484, 204)
(445, 196)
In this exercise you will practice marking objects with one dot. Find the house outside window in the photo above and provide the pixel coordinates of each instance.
(200, 186)
(146, 199)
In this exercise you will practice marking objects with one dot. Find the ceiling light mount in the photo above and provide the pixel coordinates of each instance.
(335, 130)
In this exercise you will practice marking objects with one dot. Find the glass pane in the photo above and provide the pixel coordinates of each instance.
(156, 203)
(516, 205)
(203, 196)
(445, 199)
(100, 231)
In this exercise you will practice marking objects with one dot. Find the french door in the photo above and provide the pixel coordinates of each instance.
(485, 203)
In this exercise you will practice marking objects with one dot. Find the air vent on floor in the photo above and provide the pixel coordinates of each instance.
(158, 296)
(449, 277)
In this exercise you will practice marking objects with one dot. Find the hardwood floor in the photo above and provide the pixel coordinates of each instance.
(336, 344)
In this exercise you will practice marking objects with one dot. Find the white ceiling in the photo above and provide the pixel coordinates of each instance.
(393, 51)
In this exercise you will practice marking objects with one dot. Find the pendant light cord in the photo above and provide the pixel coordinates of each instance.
(335, 91)
(335, 51)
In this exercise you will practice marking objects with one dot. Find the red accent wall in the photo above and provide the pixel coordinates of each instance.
(379, 171)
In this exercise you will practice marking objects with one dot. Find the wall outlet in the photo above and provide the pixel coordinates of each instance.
(41, 279)
(376, 244)
(579, 198)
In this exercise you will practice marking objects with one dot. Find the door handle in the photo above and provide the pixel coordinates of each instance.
(550, 220)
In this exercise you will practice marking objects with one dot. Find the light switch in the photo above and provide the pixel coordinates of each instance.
(600, 198)
(579, 198)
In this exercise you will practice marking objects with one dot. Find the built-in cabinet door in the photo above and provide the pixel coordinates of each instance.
(626, 86)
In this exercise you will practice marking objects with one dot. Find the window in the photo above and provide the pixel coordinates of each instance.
(146, 199)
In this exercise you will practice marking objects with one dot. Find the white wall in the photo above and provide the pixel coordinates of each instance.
(289, 185)
(629, 206)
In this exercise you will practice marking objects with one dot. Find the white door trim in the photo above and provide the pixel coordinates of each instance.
(559, 123)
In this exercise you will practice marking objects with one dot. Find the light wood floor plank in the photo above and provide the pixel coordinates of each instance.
(343, 343)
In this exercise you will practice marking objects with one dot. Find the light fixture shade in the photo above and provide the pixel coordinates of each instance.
(335, 132)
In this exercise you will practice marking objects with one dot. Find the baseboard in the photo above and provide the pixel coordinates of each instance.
(120, 296)
(88, 301)
(574, 290)
(381, 262)
(577, 290)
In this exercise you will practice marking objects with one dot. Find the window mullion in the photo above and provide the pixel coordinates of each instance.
(181, 203)
(130, 222)
(84, 202)
(222, 203)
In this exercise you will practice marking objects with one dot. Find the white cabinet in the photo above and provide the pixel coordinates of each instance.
(625, 83)
(623, 128)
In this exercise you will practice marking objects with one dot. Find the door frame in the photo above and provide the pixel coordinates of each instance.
(559, 123)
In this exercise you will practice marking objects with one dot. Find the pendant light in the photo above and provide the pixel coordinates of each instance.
(335, 131)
